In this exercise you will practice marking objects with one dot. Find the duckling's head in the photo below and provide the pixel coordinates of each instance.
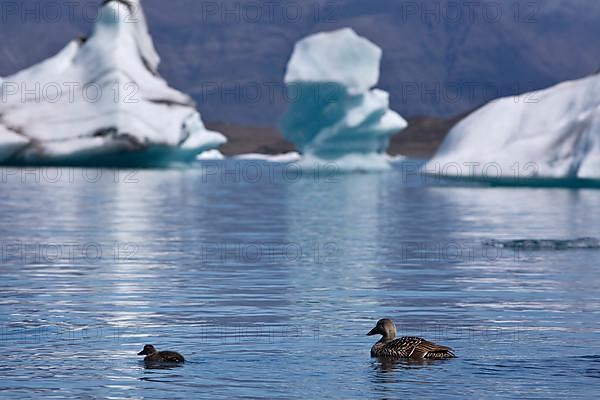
(148, 350)
(385, 327)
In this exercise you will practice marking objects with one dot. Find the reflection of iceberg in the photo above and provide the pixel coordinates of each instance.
(553, 134)
(100, 101)
(333, 114)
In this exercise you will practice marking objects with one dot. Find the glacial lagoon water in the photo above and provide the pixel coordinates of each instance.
(268, 284)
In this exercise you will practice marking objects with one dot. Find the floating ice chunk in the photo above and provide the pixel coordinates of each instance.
(275, 158)
(341, 56)
(210, 155)
(334, 112)
(554, 133)
(101, 101)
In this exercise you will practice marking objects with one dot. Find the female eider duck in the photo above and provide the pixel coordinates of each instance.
(152, 355)
(409, 347)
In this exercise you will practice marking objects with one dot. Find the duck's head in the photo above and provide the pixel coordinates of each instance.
(385, 327)
(148, 350)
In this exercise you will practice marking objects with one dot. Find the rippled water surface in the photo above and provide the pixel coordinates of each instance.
(269, 285)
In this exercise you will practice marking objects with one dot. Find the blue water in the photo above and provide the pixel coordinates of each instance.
(269, 284)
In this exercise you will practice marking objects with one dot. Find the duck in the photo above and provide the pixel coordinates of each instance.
(153, 355)
(406, 347)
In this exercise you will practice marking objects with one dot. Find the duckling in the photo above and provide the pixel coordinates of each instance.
(152, 355)
(409, 347)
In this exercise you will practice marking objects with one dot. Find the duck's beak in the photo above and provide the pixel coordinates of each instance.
(373, 331)
(142, 353)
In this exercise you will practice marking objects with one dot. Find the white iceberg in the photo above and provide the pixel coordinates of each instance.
(210, 155)
(551, 134)
(333, 114)
(101, 101)
(283, 158)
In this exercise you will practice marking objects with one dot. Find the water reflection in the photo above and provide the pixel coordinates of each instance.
(161, 365)
(387, 365)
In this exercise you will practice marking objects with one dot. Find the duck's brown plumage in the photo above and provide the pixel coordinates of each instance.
(405, 347)
(152, 355)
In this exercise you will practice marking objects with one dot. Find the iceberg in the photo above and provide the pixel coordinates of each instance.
(101, 101)
(283, 158)
(210, 155)
(552, 134)
(334, 115)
